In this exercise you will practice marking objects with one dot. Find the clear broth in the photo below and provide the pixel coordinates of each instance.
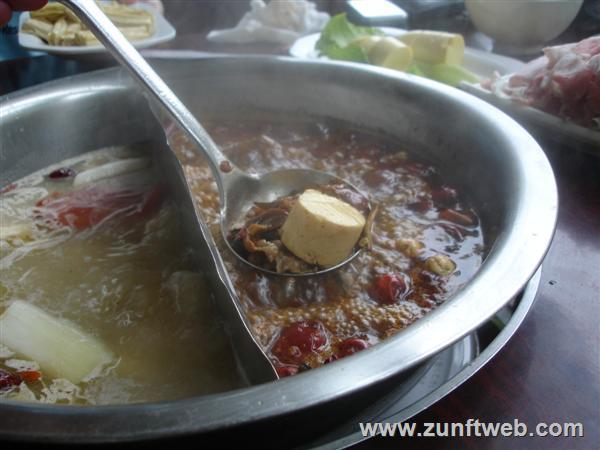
(128, 281)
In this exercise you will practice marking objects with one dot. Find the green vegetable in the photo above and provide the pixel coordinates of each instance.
(337, 36)
(451, 74)
(341, 40)
(419, 68)
(352, 52)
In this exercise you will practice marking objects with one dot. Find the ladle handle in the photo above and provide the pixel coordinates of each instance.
(107, 33)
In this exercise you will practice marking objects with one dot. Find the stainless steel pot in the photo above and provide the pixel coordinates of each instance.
(489, 156)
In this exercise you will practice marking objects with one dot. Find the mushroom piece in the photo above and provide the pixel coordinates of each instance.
(410, 247)
(440, 264)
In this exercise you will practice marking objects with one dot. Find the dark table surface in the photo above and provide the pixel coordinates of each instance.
(550, 370)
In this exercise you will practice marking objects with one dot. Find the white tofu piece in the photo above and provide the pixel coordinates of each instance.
(59, 346)
(322, 229)
(111, 169)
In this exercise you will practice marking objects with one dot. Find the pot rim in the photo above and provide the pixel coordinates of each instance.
(510, 263)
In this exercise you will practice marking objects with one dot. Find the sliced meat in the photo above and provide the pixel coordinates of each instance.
(564, 82)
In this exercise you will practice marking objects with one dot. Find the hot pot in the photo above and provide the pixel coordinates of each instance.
(486, 154)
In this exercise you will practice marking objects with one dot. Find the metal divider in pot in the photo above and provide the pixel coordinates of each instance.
(252, 361)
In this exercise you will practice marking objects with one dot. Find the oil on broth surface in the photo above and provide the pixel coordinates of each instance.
(427, 241)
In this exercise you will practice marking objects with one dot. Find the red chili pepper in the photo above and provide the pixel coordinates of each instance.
(8, 188)
(331, 358)
(298, 340)
(421, 170)
(460, 218)
(444, 196)
(425, 302)
(286, 371)
(351, 346)
(87, 207)
(30, 376)
(416, 168)
(9, 380)
(454, 231)
(225, 166)
(63, 172)
(153, 201)
(421, 206)
(390, 289)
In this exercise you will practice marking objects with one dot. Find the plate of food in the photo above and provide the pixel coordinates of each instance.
(558, 93)
(56, 30)
(437, 55)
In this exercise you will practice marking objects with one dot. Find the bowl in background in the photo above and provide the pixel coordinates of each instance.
(522, 27)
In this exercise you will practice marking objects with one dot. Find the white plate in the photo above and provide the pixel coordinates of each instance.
(481, 63)
(163, 32)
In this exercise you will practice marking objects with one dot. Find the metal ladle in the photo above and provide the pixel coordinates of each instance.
(238, 190)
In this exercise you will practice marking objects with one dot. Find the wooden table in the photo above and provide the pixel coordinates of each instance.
(550, 370)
